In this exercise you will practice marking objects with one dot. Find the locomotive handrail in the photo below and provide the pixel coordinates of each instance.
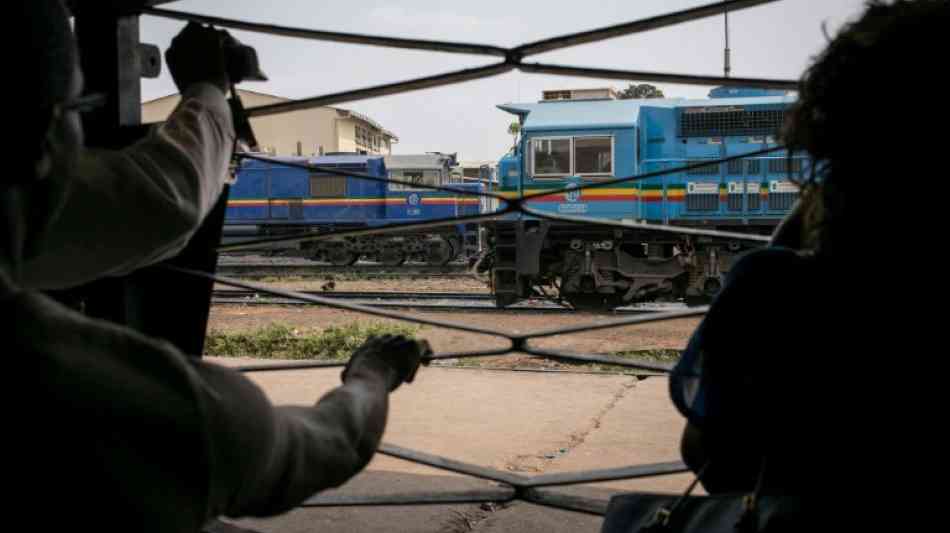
(662, 228)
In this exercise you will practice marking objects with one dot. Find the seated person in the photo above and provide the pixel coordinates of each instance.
(118, 431)
(781, 370)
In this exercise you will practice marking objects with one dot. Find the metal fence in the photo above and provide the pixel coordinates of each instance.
(534, 489)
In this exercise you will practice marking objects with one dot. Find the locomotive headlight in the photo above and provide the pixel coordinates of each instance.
(577, 245)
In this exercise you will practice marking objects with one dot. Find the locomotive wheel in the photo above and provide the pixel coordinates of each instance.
(392, 257)
(341, 257)
(438, 252)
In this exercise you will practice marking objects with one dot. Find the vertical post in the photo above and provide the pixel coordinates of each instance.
(109, 61)
(110, 64)
(156, 302)
(726, 67)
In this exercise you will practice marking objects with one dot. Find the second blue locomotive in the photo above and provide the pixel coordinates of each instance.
(574, 140)
(273, 199)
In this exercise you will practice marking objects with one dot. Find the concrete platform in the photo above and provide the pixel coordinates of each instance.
(528, 423)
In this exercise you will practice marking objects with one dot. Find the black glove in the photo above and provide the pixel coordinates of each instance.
(197, 54)
(395, 357)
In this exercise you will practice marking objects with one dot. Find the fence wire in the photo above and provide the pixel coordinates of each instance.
(513, 486)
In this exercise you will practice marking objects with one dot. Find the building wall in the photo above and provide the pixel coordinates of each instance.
(314, 129)
(346, 135)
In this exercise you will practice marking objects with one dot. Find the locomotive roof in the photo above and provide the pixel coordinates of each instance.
(347, 159)
(420, 161)
(343, 159)
(568, 115)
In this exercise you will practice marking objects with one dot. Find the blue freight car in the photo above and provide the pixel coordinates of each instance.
(272, 199)
(567, 143)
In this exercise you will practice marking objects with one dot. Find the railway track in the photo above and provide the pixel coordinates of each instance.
(432, 301)
(314, 270)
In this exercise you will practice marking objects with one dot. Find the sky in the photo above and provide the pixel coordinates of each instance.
(771, 41)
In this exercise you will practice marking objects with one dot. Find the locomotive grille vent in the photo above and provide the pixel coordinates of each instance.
(782, 200)
(710, 122)
(322, 186)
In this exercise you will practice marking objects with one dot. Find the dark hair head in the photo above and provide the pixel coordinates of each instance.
(865, 111)
(43, 63)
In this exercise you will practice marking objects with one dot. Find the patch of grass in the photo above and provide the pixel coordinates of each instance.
(279, 341)
(667, 355)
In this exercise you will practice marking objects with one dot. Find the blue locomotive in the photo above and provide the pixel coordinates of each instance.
(568, 142)
(271, 199)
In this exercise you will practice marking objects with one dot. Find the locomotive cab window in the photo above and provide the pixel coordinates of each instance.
(559, 157)
(593, 155)
(551, 157)
(416, 177)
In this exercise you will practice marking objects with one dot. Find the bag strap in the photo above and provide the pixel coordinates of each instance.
(661, 519)
(748, 522)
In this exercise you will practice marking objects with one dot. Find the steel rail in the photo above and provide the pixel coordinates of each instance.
(632, 321)
(316, 365)
(254, 244)
(492, 495)
(375, 270)
(647, 226)
(386, 89)
(653, 174)
(607, 474)
(612, 360)
(367, 295)
(276, 367)
(456, 47)
(451, 465)
(329, 302)
(451, 47)
(636, 26)
(661, 77)
(566, 502)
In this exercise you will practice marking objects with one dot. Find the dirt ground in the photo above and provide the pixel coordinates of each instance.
(664, 335)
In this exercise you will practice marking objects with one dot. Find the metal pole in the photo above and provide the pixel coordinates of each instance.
(726, 67)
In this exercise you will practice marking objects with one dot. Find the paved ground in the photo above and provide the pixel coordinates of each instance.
(522, 422)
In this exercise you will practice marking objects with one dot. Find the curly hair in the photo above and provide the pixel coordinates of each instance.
(853, 130)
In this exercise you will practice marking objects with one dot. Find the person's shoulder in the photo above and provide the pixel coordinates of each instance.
(770, 264)
(765, 285)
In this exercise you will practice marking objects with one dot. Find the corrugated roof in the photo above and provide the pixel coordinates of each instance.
(564, 115)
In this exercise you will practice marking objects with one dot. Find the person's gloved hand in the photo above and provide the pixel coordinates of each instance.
(395, 357)
(197, 54)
